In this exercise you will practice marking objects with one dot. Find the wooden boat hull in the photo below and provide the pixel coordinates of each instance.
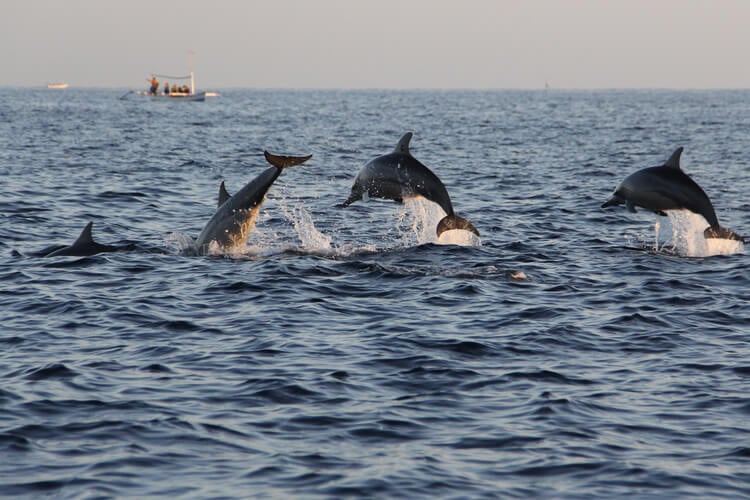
(198, 96)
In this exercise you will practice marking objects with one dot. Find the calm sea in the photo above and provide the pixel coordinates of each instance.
(574, 352)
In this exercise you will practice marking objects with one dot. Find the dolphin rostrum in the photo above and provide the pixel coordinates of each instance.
(398, 175)
(235, 216)
(83, 246)
(667, 187)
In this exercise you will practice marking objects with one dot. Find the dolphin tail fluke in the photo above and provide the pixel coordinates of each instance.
(454, 222)
(285, 161)
(722, 233)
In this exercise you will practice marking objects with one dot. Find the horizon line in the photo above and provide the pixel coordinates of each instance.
(354, 89)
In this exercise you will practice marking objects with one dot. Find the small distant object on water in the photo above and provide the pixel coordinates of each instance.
(57, 85)
(176, 87)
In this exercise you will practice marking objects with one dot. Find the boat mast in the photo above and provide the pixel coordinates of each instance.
(192, 75)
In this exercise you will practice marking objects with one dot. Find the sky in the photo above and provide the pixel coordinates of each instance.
(353, 44)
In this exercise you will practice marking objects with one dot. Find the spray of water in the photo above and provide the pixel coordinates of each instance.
(415, 225)
(686, 229)
(421, 217)
(180, 243)
(687, 235)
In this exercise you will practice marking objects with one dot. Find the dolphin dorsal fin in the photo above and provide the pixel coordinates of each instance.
(223, 194)
(85, 238)
(403, 144)
(674, 160)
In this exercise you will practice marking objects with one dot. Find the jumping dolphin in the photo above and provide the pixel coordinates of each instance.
(83, 246)
(399, 175)
(667, 187)
(235, 216)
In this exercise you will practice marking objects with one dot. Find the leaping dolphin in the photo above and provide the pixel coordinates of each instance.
(399, 175)
(81, 247)
(235, 216)
(667, 187)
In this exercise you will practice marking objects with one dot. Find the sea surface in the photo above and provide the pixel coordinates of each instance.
(571, 352)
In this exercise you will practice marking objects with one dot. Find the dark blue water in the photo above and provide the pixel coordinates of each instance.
(345, 353)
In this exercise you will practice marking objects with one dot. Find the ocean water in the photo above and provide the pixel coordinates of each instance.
(570, 352)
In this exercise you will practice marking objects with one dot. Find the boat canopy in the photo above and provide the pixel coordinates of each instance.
(190, 77)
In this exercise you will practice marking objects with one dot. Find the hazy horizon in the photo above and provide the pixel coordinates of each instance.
(388, 44)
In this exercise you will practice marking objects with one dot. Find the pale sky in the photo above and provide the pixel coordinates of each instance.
(379, 43)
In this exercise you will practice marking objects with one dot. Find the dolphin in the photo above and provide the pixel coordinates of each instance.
(399, 175)
(667, 187)
(83, 246)
(235, 216)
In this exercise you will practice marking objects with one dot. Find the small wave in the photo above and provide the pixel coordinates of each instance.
(54, 371)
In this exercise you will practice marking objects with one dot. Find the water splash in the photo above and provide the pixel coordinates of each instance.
(420, 217)
(180, 243)
(687, 240)
(309, 235)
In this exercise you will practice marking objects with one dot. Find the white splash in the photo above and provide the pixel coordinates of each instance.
(311, 239)
(180, 243)
(302, 222)
(459, 237)
(424, 216)
(688, 240)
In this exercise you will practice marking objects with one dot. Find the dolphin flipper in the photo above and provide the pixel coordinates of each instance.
(615, 200)
(630, 206)
(454, 222)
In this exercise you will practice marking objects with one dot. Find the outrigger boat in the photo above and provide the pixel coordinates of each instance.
(181, 93)
(160, 93)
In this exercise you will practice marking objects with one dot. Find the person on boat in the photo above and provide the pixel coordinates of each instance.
(166, 88)
(154, 84)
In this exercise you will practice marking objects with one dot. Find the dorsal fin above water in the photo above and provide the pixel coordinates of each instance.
(674, 160)
(403, 144)
(223, 194)
(85, 238)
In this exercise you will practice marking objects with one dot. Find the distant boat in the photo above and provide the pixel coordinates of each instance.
(182, 92)
(58, 85)
(185, 92)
